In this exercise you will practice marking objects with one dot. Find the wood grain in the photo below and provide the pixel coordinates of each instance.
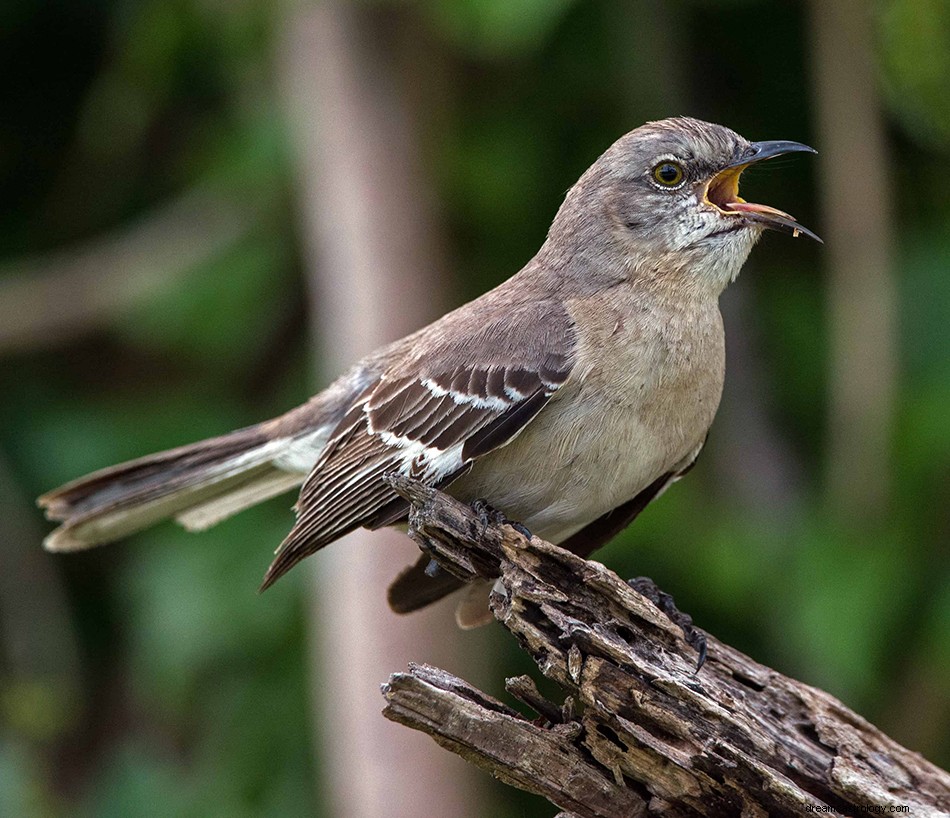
(640, 732)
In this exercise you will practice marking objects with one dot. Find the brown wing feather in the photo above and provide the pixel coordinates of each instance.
(429, 416)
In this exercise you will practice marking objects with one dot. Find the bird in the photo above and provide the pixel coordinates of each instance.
(567, 398)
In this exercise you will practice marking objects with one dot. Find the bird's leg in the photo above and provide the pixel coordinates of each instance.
(695, 638)
(489, 515)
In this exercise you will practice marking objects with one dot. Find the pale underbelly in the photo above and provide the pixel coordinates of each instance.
(569, 467)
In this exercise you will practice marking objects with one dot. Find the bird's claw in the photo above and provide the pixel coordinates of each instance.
(694, 637)
(489, 515)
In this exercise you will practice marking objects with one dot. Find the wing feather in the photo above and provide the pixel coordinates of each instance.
(429, 416)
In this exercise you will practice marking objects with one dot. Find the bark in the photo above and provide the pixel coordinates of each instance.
(640, 732)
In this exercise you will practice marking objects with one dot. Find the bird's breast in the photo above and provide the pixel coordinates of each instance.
(640, 400)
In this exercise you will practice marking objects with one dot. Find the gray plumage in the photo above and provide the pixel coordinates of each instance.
(568, 397)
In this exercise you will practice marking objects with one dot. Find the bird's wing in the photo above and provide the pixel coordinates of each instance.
(465, 389)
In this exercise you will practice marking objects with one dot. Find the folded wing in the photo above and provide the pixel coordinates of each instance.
(429, 417)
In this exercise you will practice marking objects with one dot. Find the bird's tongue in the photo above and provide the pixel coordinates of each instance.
(771, 217)
(751, 207)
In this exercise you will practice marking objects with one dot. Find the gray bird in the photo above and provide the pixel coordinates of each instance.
(568, 397)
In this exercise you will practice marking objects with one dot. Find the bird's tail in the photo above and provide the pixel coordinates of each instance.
(199, 485)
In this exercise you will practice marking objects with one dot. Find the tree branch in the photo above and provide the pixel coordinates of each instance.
(652, 736)
(52, 298)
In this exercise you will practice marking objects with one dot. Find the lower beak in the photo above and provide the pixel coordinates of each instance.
(722, 191)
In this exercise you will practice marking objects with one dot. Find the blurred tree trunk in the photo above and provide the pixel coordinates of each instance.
(652, 76)
(859, 234)
(40, 667)
(374, 275)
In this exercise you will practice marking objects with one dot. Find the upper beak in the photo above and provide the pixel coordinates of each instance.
(759, 151)
(723, 189)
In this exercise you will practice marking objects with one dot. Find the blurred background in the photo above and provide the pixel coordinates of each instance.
(208, 208)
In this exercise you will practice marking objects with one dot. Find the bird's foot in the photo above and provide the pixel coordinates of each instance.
(694, 637)
(489, 515)
(521, 529)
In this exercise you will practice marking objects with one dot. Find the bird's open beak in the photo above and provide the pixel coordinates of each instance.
(722, 192)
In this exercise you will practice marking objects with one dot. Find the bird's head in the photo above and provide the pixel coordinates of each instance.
(669, 193)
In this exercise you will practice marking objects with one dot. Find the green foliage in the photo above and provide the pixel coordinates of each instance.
(197, 314)
(916, 64)
(492, 28)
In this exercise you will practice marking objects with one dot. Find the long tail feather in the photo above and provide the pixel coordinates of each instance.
(199, 484)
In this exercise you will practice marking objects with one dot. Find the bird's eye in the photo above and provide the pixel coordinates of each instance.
(668, 174)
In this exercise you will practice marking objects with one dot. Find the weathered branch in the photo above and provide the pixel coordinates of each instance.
(52, 298)
(650, 737)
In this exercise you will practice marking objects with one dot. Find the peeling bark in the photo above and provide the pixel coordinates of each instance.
(640, 733)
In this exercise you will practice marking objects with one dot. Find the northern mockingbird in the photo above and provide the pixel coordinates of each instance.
(567, 398)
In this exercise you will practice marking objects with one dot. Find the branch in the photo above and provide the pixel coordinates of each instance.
(651, 736)
(49, 299)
